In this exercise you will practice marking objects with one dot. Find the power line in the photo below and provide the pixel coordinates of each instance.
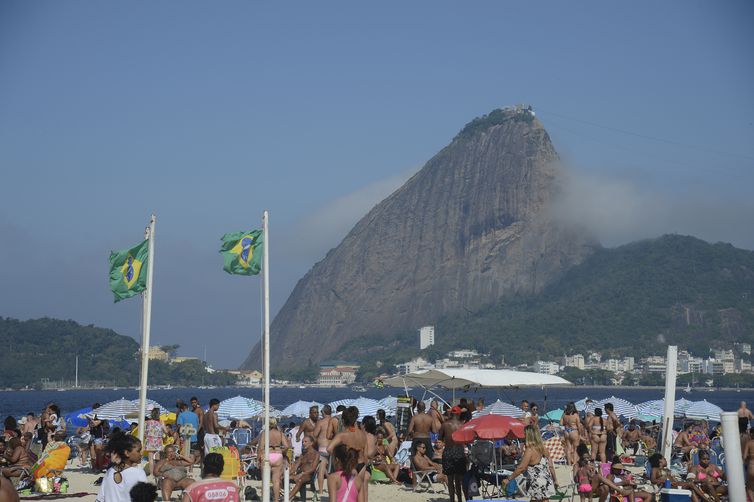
(648, 137)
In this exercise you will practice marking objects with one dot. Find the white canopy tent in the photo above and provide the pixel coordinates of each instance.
(453, 378)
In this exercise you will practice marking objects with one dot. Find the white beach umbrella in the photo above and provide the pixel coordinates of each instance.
(681, 405)
(501, 408)
(339, 402)
(115, 410)
(366, 406)
(299, 409)
(655, 407)
(150, 404)
(240, 407)
(620, 406)
(389, 404)
(703, 410)
(581, 404)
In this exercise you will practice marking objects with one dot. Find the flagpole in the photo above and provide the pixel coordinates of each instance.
(147, 320)
(266, 351)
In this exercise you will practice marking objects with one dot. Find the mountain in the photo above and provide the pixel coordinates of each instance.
(472, 227)
(632, 300)
(47, 348)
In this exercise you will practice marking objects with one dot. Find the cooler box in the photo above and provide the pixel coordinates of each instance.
(675, 495)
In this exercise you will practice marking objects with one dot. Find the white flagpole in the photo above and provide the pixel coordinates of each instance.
(667, 420)
(266, 351)
(149, 234)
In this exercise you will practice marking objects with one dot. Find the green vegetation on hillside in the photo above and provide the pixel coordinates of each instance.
(631, 300)
(46, 348)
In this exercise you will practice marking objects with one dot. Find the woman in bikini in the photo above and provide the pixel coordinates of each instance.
(709, 477)
(344, 484)
(356, 439)
(660, 474)
(572, 428)
(596, 426)
(278, 447)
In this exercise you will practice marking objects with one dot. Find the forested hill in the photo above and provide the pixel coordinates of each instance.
(47, 348)
(630, 300)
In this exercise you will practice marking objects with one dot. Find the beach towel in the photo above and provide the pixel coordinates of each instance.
(51, 496)
(53, 460)
(555, 450)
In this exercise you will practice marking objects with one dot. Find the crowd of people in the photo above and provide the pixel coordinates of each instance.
(339, 451)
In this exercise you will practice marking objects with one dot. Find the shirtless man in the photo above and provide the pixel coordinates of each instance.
(212, 427)
(355, 438)
(420, 427)
(308, 425)
(322, 437)
(744, 417)
(30, 423)
(434, 412)
(303, 469)
(613, 426)
(453, 457)
(631, 438)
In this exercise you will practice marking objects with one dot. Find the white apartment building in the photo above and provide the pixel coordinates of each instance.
(426, 337)
(416, 364)
(546, 367)
(575, 361)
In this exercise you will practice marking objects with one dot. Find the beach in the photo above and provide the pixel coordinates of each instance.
(83, 482)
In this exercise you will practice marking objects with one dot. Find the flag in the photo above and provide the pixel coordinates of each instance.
(128, 271)
(242, 252)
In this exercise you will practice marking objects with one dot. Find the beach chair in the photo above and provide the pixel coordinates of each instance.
(232, 470)
(240, 437)
(484, 456)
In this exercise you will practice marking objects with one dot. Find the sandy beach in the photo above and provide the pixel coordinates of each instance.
(83, 482)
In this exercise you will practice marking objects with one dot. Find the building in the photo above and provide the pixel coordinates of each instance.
(157, 354)
(654, 364)
(416, 364)
(575, 361)
(464, 354)
(182, 359)
(243, 377)
(426, 337)
(546, 367)
(337, 373)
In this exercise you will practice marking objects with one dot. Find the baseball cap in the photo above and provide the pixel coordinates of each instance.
(455, 410)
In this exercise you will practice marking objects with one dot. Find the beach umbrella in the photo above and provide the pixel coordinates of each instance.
(299, 409)
(239, 407)
(581, 404)
(703, 410)
(554, 414)
(681, 405)
(77, 418)
(389, 404)
(489, 427)
(621, 406)
(150, 405)
(501, 408)
(115, 410)
(366, 406)
(339, 402)
(655, 407)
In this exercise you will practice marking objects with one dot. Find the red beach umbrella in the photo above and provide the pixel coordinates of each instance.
(489, 427)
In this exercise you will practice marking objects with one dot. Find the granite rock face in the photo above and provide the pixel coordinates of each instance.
(474, 225)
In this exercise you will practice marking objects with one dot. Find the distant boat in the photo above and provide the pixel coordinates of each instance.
(688, 388)
(358, 388)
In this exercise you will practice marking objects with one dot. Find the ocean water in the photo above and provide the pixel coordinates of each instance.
(18, 403)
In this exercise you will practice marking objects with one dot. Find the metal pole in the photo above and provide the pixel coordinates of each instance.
(667, 420)
(147, 313)
(266, 356)
(286, 481)
(734, 466)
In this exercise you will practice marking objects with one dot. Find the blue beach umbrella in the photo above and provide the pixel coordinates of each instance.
(343, 402)
(389, 404)
(655, 407)
(620, 406)
(366, 406)
(554, 414)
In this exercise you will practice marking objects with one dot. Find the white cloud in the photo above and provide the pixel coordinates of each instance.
(619, 210)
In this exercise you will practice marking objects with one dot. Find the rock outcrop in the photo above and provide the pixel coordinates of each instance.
(474, 225)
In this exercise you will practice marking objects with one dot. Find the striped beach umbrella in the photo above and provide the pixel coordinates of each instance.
(389, 404)
(581, 404)
(502, 408)
(299, 409)
(339, 402)
(655, 407)
(366, 406)
(115, 410)
(151, 404)
(240, 407)
(703, 410)
(681, 405)
(620, 406)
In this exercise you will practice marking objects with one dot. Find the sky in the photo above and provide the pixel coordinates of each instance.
(207, 113)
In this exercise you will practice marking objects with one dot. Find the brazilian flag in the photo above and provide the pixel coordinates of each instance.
(128, 271)
(242, 252)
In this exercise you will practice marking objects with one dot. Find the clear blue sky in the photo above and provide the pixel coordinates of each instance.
(209, 112)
